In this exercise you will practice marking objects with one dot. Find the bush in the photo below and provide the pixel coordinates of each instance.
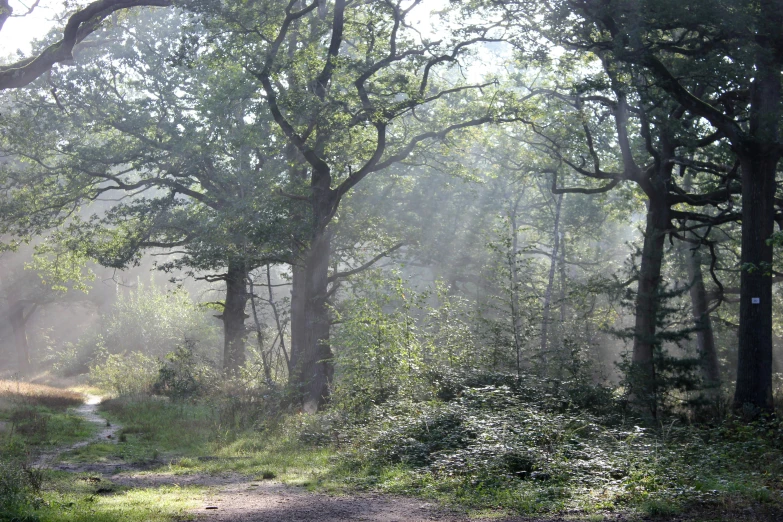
(245, 402)
(183, 376)
(125, 374)
(153, 321)
(148, 321)
(19, 485)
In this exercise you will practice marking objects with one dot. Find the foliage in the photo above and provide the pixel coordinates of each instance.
(675, 380)
(528, 448)
(389, 334)
(20, 486)
(181, 376)
(131, 373)
(153, 321)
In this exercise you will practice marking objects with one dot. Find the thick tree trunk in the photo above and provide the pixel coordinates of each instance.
(551, 282)
(759, 158)
(19, 327)
(754, 363)
(311, 355)
(234, 316)
(705, 338)
(647, 304)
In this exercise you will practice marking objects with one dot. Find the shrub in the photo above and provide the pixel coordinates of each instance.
(19, 485)
(182, 375)
(153, 321)
(125, 374)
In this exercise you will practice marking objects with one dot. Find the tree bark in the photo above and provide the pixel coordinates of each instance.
(551, 283)
(298, 324)
(754, 362)
(311, 355)
(759, 155)
(19, 327)
(705, 338)
(514, 276)
(647, 303)
(234, 316)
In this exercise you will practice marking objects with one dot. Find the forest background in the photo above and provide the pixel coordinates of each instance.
(473, 244)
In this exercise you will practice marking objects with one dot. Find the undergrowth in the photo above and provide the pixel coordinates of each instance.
(33, 418)
(524, 447)
(494, 443)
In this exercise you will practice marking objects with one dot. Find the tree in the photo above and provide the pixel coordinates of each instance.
(735, 48)
(624, 127)
(342, 84)
(171, 139)
(32, 278)
(80, 25)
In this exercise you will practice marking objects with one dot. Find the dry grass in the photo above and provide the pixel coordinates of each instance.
(38, 395)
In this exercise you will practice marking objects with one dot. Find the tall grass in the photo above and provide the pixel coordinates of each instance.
(38, 395)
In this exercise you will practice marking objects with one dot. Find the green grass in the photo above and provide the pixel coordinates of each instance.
(79, 497)
(590, 470)
(187, 439)
(38, 418)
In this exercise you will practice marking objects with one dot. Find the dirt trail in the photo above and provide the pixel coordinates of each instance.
(89, 411)
(238, 498)
(269, 501)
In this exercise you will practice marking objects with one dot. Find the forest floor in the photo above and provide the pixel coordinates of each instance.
(109, 475)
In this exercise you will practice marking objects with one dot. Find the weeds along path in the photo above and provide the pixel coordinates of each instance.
(88, 411)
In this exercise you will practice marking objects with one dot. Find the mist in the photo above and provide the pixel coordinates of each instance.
(318, 217)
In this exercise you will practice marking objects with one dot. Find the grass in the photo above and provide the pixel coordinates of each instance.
(38, 395)
(729, 472)
(183, 439)
(661, 478)
(36, 417)
(84, 498)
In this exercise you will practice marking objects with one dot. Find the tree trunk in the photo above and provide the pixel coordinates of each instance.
(18, 325)
(562, 280)
(265, 355)
(234, 317)
(311, 355)
(298, 324)
(514, 276)
(647, 304)
(312, 366)
(551, 283)
(705, 338)
(759, 156)
(754, 363)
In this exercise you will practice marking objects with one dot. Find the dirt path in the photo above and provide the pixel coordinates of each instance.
(238, 498)
(269, 502)
(89, 412)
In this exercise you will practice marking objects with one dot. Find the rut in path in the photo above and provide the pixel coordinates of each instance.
(87, 411)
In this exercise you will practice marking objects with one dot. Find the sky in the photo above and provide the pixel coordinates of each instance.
(19, 31)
